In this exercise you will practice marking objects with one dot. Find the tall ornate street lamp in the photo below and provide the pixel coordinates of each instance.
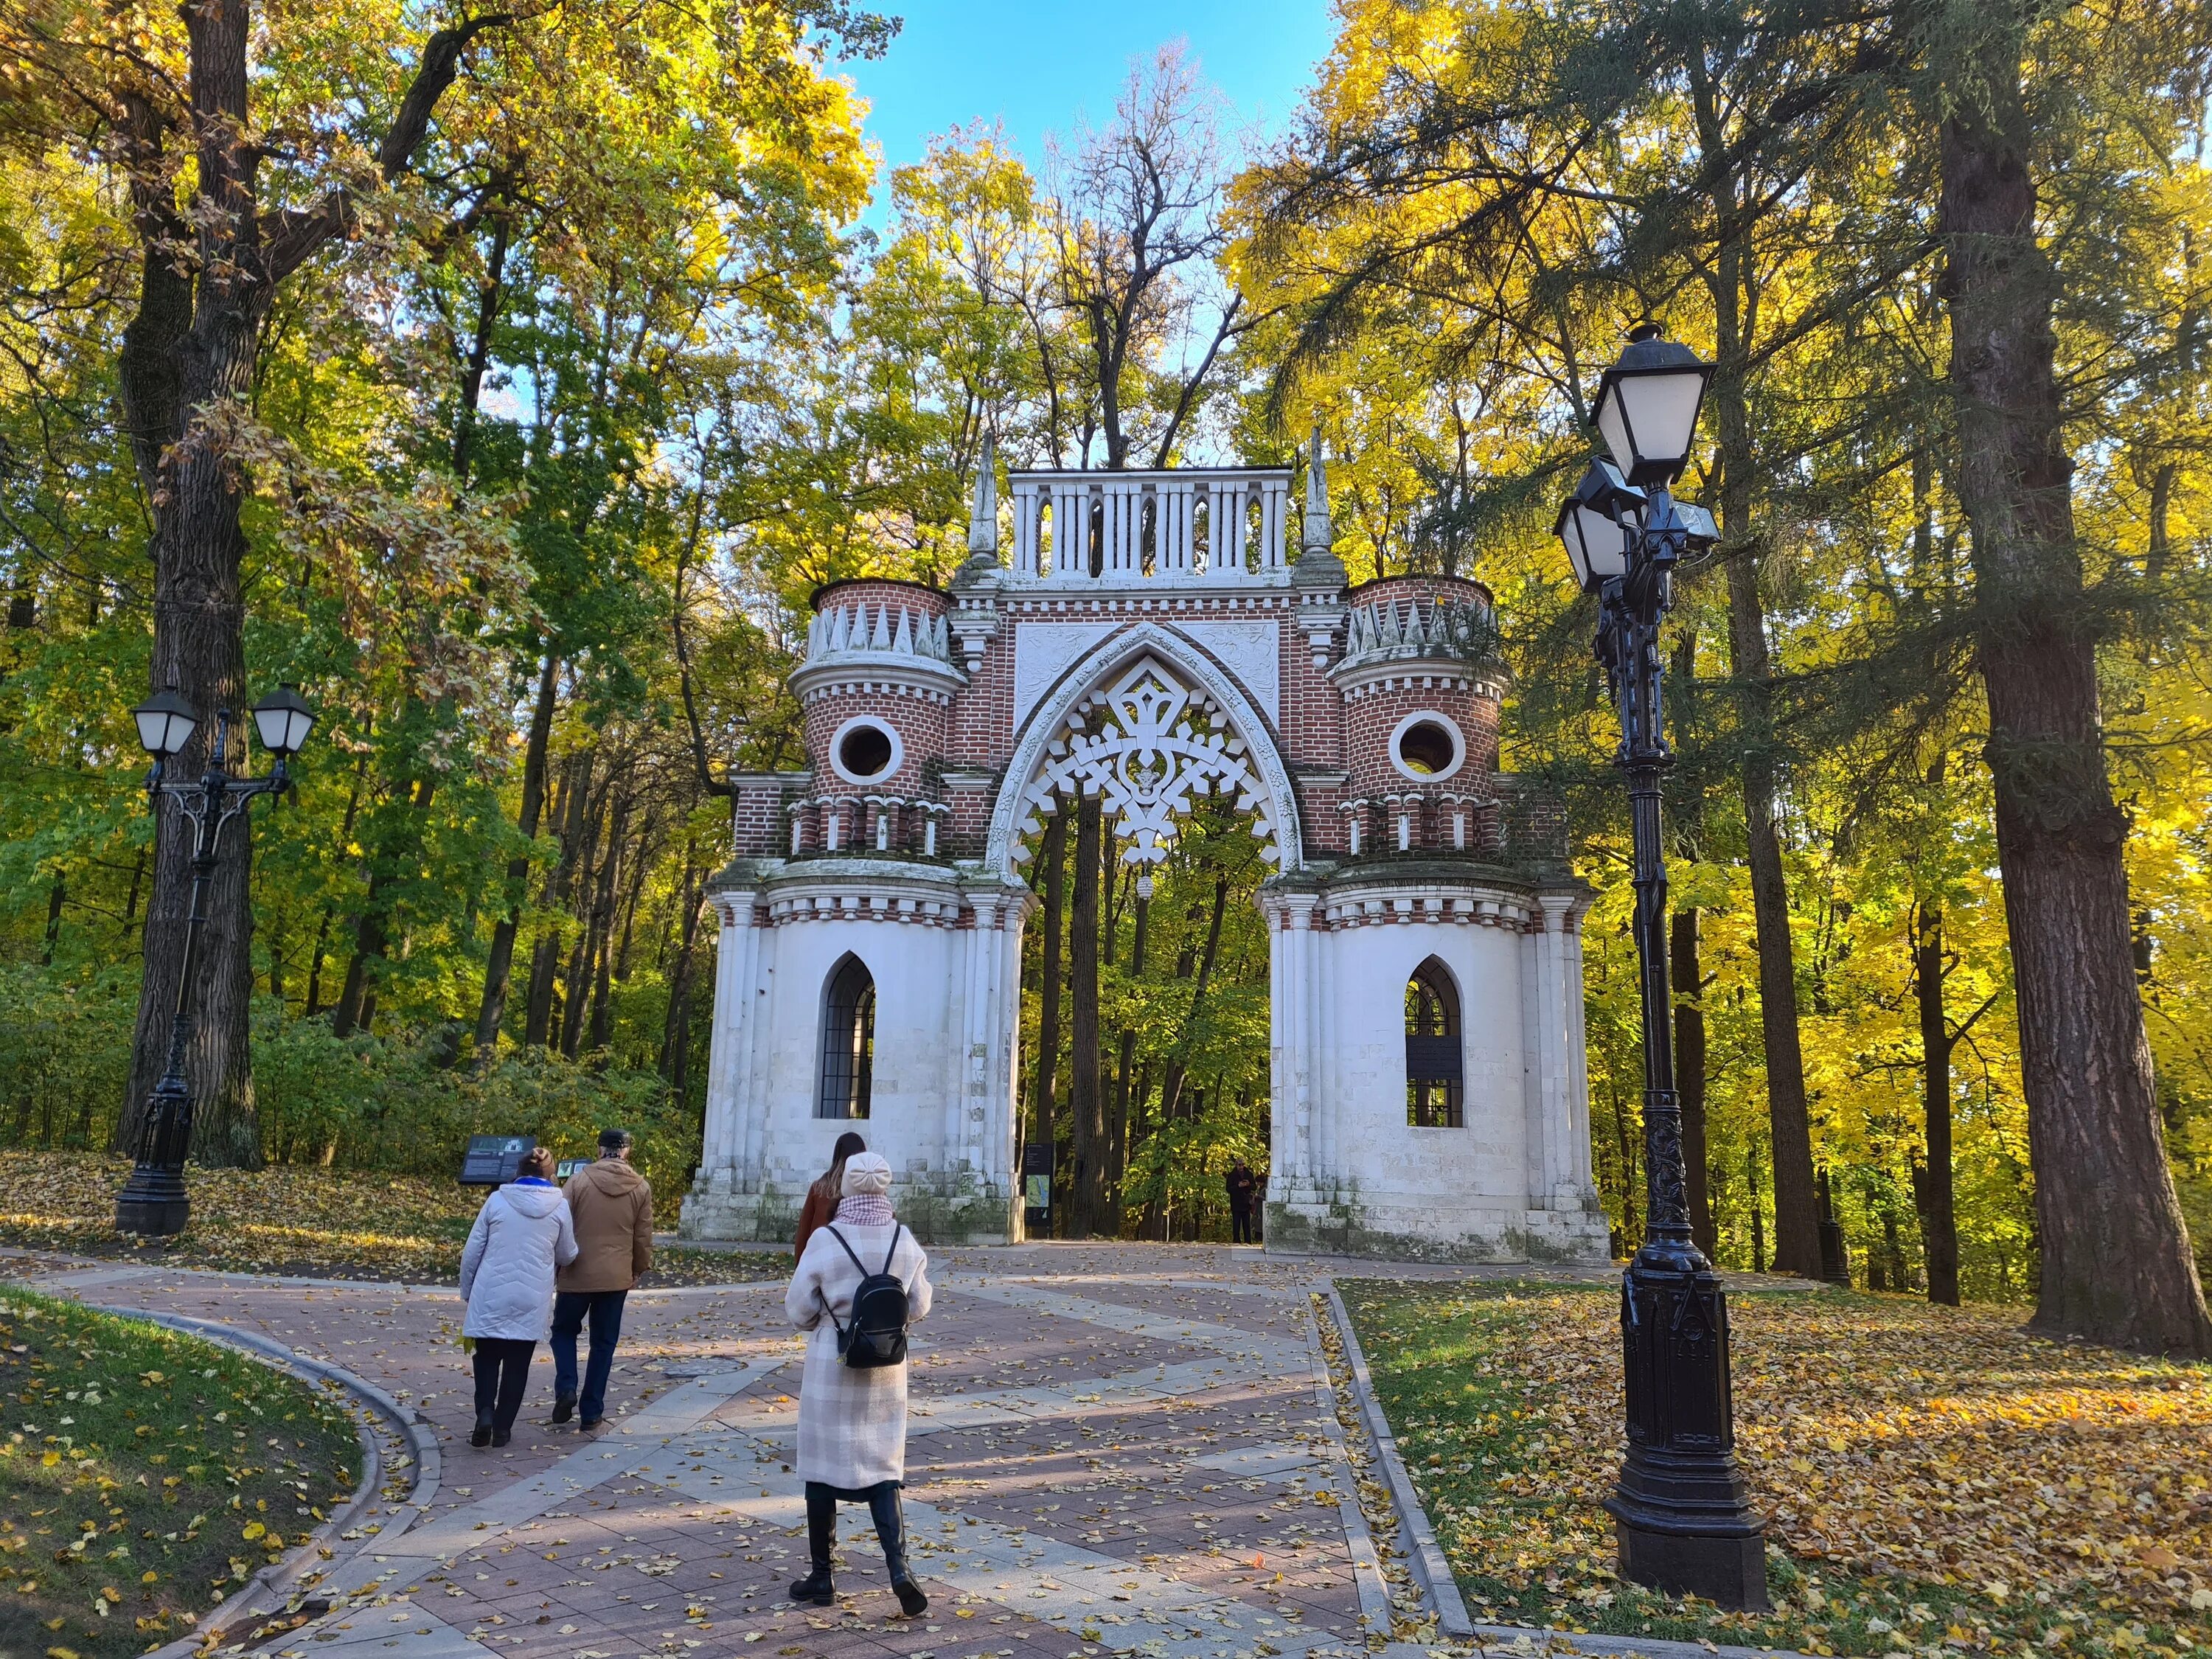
(153, 1202)
(1681, 1516)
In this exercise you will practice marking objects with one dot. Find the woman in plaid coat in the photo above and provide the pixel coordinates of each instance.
(852, 1422)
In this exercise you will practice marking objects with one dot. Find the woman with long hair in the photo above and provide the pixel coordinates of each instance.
(822, 1198)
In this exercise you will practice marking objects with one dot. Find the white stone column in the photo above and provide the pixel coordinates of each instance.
(1548, 1162)
(750, 1075)
(1290, 1012)
(1005, 1105)
(972, 957)
(736, 943)
(1322, 1164)
(1578, 1125)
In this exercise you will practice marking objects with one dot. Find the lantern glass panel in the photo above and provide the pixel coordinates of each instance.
(165, 724)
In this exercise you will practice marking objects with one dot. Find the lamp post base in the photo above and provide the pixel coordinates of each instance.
(1728, 1570)
(152, 1204)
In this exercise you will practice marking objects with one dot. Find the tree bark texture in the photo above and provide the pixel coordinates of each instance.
(1932, 1186)
(500, 966)
(1796, 1208)
(2116, 1262)
(1690, 1072)
(1085, 1106)
(1732, 280)
(187, 359)
(1054, 855)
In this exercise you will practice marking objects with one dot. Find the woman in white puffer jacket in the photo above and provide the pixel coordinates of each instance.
(523, 1233)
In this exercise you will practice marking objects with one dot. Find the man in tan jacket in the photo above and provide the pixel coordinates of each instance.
(613, 1205)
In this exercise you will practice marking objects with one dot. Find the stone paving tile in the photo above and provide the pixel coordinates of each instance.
(1086, 1422)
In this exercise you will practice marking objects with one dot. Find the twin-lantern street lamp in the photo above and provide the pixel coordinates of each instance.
(153, 1202)
(1682, 1518)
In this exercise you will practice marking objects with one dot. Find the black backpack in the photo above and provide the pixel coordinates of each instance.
(877, 1335)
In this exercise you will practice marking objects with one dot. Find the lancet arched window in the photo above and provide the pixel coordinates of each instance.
(849, 1040)
(1432, 1048)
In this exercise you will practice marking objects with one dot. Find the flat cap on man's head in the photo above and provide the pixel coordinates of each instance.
(614, 1140)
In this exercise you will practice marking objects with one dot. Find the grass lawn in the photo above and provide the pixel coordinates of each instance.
(283, 1220)
(145, 1476)
(1935, 1481)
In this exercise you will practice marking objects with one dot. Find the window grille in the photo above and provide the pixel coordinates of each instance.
(848, 1041)
(1432, 1048)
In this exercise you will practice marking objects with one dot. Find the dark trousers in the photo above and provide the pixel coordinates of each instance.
(570, 1309)
(502, 1377)
(1240, 1223)
(882, 1502)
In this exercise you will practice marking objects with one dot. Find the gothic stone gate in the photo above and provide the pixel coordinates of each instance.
(1149, 637)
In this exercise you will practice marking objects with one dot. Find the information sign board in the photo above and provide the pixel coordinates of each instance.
(492, 1160)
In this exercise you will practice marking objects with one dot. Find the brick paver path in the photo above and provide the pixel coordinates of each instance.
(1111, 1447)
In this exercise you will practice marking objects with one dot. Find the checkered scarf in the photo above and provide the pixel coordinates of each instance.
(866, 1210)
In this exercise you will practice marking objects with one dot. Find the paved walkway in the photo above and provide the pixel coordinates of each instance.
(1113, 1448)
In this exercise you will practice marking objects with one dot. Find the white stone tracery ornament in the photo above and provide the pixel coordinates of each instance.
(1145, 748)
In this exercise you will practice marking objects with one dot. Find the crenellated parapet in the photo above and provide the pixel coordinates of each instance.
(879, 631)
(1400, 623)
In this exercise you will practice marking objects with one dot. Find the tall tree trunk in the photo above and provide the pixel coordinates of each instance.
(57, 895)
(1758, 1210)
(1796, 1205)
(499, 967)
(1086, 1109)
(588, 966)
(576, 795)
(2116, 1262)
(372, 935)
(1172, 1081)
(1690, 1071)
(1117, 1151)
(207, 275)
(1055, 855)
(1732, 284)
(1932, 1189)
(676, 1032)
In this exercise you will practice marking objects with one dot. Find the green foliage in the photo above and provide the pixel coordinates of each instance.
(365, 1103)
(146, 1476)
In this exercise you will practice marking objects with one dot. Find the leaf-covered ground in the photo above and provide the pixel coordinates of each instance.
(1936, 1480)
(145, 1475)
(286, 1220)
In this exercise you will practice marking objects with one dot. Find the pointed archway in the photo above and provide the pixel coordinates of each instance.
(1147, 720)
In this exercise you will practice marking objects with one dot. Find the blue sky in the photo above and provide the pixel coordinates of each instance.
(1037, 68)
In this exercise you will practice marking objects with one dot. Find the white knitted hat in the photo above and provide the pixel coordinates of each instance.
(866, 1174)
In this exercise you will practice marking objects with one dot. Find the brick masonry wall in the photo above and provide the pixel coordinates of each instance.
(1336, 743)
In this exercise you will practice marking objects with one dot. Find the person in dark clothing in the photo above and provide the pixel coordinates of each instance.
(613, 1206)
(822, 1198)
(1244, 1188)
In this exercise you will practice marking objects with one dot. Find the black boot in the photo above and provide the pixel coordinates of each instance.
(481, 1435)
(890, 1531)
(820, 1534)
(564, 1407)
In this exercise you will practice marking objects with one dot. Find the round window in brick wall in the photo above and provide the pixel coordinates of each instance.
(865, 750)
(1427, 746)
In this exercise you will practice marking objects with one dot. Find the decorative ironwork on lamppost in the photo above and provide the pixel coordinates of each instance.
(1682, 1518)
(154, 1203)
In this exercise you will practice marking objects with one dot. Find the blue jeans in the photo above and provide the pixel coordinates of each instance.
(570, 1309)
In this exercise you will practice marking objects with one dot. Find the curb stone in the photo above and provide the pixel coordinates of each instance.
(1426, 1557)
(1434, 1572)
(1375, 1612)
(280, 1581)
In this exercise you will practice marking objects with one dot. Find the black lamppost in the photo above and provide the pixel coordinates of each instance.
(153, 1202)
(1682, 1517)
